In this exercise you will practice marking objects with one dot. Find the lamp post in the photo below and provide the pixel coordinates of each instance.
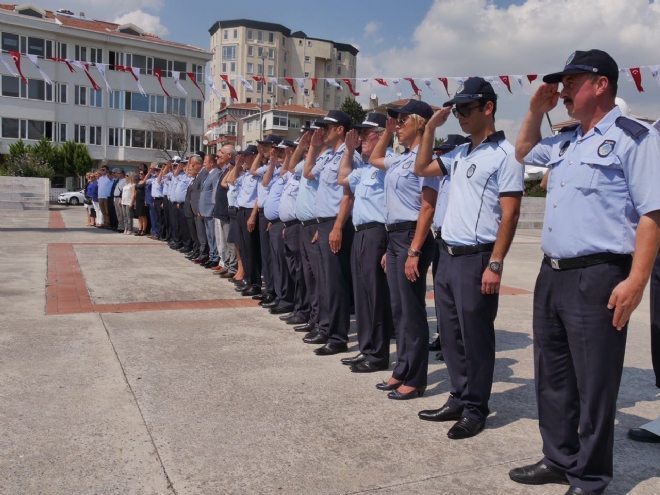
(261, 99)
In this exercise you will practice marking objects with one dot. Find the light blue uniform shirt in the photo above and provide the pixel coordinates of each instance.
(272, 201)
(478, 178)
(167, 182)
(181, 187)
(262, 191)
(367, 184)
(232, 194)
(156, 189)
(330, 193)
(247, 195)
(105, 186)
(600, 184)
(287, 209)
(443, 184)
(403, 188)
(305, 203)
(173, 181)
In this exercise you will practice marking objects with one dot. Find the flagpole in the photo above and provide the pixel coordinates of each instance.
(261, 104)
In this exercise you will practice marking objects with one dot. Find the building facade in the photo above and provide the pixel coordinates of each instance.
(120, 124)
(247, 48)
(284, 121)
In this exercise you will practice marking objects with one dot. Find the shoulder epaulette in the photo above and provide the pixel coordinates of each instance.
(569, 128)
(631, 127)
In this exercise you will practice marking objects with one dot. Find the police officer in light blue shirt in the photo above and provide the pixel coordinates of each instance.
(409, 211)
(179, 190)
(332, 211)
(603, 203)
(481, 218)
(366, 183)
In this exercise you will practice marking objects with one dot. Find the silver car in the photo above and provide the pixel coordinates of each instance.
(72, 197)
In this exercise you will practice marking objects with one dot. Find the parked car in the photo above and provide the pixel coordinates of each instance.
(72, 198)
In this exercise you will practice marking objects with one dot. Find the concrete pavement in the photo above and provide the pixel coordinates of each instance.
(126, 369)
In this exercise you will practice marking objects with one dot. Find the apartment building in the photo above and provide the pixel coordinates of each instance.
(120, 125)
(247, 48)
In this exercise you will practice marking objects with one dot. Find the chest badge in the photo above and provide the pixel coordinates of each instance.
(564, 147)
(470, 170)
(373, 176)
(606, 148)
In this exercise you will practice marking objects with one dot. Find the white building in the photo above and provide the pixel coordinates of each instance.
(248, 48)
(121, 126)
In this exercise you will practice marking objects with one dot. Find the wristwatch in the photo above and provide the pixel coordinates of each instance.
(413, 253)
(495, 267)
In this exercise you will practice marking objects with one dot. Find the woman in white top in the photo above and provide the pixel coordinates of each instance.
(127, 196)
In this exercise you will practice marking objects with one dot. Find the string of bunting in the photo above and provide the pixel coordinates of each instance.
(505, 81)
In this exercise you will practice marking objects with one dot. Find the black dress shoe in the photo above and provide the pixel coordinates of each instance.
(210, 264)
(307, 327)
(227, 275)
(280, 310)
(367, 367)
(642, 435)
(296, 319)
(268, 304)
(316, 338)
(241, 286)
(396, 395)
(435, 345)
(258, 297)
(201, 259)
(465, 428)
(250, 291)
(388, 386)
(358, 358)
(575, 490)
(537, 474)
(439, 356)
(330, 349)
(445, 413)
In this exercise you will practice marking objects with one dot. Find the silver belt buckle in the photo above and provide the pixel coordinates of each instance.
(450, 250)
(554, 263)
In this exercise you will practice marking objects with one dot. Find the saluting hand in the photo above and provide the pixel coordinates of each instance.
(439, 117)
(390, 125)
(305, 140)
(352, 140)
(545, 98)
(317, 138)
(624, 299)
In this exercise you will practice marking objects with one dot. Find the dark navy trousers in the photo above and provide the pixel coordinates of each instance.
(373, 312)
(409, 308)
(282, 283)
(249, 248)
(467, 319)
(578, 361)
(294, 267)
(266, 255)
(311, 265)
(655, 319)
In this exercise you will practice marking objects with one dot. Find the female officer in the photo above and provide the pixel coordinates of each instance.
(409, 211)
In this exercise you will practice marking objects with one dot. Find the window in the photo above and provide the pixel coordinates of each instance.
(60, 50)
(271, 70)
(96, 55)
(37, 90)
(229, 52)
(338, 55)
(225, 34)
(306, 92)
(250, 35)
(36, 46)
(10, 43)
(60, 133)
(260, 36)
(114, 59)
(250, 68)
(138, 138)
(309, 43)
(10, 128)
(271, 53)
(307, 59)
(79, 133)
(138, 61)
(250, 51)
(260, 51)
(339, 70)
(294, 123)
(176, 106)
(260, 69)
(156, 104)
(139, 103)
(61, 90)
(232, 66)
(280, 119)
(80, 96)
(95, 98)
(271, 37)
(95, 135)
(115, 136)
(269, 88)
(161, 63)
(10, 87)
(306, 74)
(36, 129)
(81, 53)
(178, 66)
(159, 140)
(224, 68)
(116, 100)
(195, 142)
(196, 112)
(198, 70)
(235, 33)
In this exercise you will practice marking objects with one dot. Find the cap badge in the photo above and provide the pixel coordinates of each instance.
(606, 148)
(470, 170)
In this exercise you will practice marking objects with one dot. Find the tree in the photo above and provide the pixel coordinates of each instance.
(171, 134)
(354, 109)
(23, 162)
(72, 159)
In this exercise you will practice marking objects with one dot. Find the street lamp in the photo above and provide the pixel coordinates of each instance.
(261, 99)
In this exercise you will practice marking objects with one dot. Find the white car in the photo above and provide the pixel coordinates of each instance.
(72, 198)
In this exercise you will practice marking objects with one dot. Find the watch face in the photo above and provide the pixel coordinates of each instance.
(495, 266)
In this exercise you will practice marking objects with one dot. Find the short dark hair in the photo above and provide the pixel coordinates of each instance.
(613, 85)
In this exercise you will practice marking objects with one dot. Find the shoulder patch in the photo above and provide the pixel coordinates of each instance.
(631, 127)
(569, 128)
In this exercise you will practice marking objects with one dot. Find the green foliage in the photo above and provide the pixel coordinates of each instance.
(438, 142)
(533, 189)
(354, 109)
(44, 159)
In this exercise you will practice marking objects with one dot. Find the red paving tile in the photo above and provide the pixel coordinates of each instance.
(55, 220)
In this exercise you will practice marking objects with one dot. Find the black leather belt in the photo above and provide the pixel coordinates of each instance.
(244, 208)
(261, 210)
(368, 225)
(463, 250)
(397, 227)
(324, 219)
(305, 223)
(584, 261)
(277, 220)
(291, 222)
(233, 209)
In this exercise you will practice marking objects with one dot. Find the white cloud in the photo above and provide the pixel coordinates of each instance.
(101, 9)
(150, 23)
(476, 37)
(371, 28)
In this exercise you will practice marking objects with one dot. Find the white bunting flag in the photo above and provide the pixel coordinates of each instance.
(102, 68)
(176, 75)
(33, 59)
(246, 84)
(211, 84)
(136, 74)
(300, 81)
(9, 68)
(427, 83)
(655, 73)
(333, 82)
(396, 80)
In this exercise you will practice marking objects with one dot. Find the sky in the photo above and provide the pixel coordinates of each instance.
(432, 38)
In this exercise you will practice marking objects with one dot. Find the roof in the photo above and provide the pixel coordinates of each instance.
(342, 47)
(129, 31)
(249, 23)
(297, 109)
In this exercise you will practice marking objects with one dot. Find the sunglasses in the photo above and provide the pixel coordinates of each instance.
(401, 120)
(464, 111)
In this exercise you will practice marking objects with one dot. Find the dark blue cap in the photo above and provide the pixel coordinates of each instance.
(372, 121)
(451, 142)
(413, 107)
(286, 143)
(250, 149)
(474, 88)
(590, 62)
(270, 139)
(336, 117)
